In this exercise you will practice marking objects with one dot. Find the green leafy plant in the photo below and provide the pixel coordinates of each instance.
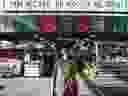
(79, 71)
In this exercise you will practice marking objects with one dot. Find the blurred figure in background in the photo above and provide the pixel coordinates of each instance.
(7, 23)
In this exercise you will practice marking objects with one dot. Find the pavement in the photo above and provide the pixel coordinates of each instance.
(26, 87)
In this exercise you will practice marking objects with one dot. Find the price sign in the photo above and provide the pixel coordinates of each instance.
(84, 6)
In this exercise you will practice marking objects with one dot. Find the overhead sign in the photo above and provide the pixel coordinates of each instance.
(84, 6)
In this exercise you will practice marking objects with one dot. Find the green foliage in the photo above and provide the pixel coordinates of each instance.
(79, 71)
